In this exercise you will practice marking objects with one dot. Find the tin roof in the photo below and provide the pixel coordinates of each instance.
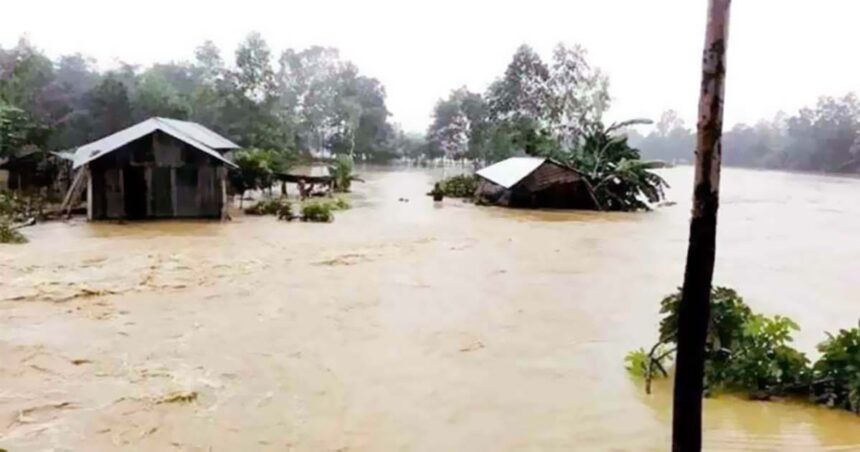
(509, 172)
(191, 133)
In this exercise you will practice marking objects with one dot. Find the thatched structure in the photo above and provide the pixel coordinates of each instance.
(534, 182)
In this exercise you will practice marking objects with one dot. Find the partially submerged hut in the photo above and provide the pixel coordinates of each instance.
(534, 182)
(159, 168)
(31, 169)
(307, 178)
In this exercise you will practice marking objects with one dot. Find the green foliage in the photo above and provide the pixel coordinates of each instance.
(339, 203)
(257, 168)
(837, 373)
(318, 212)
(8, 234)
(462, 186)
(819, 137)
(619, 178)
(17, 129)
(307, 100)
(763, 363)
(341, 173)
(533, 107)
(279, 207)
(744, 351)
(637, 362)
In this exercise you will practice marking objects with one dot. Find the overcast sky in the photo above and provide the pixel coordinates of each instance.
(783, 53)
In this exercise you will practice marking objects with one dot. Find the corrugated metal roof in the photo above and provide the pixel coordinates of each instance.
(201, 134)
(509, 172)
(89, 152)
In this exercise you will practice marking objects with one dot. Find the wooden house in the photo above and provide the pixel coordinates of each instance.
(159, 168)
(534, 182)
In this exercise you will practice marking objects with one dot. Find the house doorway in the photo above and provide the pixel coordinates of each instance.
(134, 189)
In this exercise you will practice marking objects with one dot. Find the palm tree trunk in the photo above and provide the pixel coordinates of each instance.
(695, 300)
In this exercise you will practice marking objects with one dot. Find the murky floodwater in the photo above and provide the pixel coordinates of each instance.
(405, 325)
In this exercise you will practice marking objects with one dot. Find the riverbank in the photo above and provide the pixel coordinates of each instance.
(405, 325)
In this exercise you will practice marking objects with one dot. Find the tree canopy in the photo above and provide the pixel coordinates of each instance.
(533, 107)
(294, 101)
(823, 137)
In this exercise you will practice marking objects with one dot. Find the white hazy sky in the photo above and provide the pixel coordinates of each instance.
(783, 54)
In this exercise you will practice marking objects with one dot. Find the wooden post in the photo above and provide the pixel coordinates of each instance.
(695, 306)
(89, 193)
(225, 215)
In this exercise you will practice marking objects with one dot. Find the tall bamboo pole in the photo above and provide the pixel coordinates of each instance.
(695, 301)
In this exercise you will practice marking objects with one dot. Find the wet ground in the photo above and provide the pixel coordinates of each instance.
(406, 325)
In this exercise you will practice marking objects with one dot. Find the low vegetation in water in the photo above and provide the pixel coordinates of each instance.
(341, 173)
(14, 209)
(620, 178)
(752, 353)
(8, 234)
(279, 207)
(318, 212)
(462, 186)
(836, 375)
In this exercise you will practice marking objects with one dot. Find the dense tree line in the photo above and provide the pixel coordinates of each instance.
(297, 101)
(823, 137)
(534, 107)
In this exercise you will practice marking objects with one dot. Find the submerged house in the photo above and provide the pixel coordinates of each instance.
(159, 168)
(534, 182)
(31, 169)
(308, 178)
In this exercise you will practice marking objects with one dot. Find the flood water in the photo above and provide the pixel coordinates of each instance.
(407, 325)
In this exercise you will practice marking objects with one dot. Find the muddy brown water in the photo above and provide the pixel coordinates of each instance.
(406, 325)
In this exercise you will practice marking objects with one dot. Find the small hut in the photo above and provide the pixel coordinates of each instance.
(31, 169)
(534, 182)
(159, 168)
(308, 178)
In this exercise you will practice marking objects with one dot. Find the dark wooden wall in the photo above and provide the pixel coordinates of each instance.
(156, 176)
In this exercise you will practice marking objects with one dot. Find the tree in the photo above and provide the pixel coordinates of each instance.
(523, 92)
(619, 178)
(578, 94)
(694, 311)
(17, 129)
(157, 95)
(109, 102)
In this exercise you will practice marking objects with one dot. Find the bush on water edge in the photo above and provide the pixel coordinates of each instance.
(8, 234)
(752, 353)
(462, 186)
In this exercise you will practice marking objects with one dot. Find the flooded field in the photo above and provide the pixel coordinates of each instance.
(406, 325)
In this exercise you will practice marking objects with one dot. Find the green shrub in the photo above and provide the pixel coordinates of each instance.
(8, 234)
(279, 207)
(837, 373)
(462, 186)
(318, 212)
(762, 362)
(339, 203)
(341, 173)
(743, 351)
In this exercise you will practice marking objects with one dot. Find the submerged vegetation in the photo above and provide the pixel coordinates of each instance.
(8, 234)
(461, 186)
(277, 206)
(341, 173)
(620, 179)
(14, 210)
(752, 353)
(315, 210)
(318, 212)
